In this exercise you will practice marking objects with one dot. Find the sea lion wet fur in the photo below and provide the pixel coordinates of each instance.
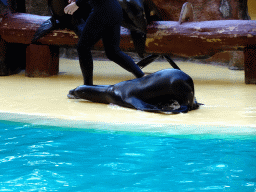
(168, 90)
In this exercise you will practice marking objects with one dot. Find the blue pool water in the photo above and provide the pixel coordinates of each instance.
(44, 158)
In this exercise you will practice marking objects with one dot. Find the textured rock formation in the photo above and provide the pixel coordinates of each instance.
(204, 10)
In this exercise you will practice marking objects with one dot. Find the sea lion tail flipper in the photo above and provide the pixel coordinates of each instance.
(139, 40)
(182, 109)
(45, 28)
(141, 105)
(146, 61)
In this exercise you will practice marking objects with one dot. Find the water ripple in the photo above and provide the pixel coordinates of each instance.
(40, 159)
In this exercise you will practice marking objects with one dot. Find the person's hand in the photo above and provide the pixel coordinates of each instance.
(71, 8)
(70, 1)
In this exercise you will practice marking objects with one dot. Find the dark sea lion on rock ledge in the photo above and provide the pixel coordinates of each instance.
(168, 90)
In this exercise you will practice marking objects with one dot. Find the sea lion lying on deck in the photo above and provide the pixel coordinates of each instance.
(168, 90)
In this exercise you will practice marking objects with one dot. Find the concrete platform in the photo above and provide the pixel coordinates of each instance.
(228, 102)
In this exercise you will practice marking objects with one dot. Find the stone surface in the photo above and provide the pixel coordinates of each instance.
(204, 10)
(237, 60)
(38, 7)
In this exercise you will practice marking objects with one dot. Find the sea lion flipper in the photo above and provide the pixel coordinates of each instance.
(141, 105)
(45, 28)
(139, 41)
(182, 109)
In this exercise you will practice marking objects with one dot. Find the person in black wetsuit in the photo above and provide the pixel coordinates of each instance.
(104, 23)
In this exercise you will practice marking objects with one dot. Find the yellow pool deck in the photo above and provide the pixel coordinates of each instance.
(227, 100)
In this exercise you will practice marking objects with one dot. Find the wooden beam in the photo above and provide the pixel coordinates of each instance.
(191, 39)
(42, 60)
(250, 64)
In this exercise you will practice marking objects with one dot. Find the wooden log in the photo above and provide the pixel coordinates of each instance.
(4, 69)
(236, 61)
(200, 39)
(12, 58)
(42, 60)
(250, 64)
(191, 39)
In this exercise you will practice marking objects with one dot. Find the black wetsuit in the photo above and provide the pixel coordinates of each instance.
(104, 23)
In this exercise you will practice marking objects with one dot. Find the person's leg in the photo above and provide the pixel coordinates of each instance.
(89, 35)
(111, 41)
